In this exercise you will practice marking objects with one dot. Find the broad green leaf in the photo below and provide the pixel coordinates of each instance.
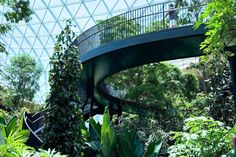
(96, 127)
(154, 149)
(125, 146)
(105, 125)
(2, 135)
(2, 121)
(20, 127)
(139, 149)
(106, 146)
(95, 145)
(99, 155)
(11, 126)
(112, 135)
(3, 130)
(133, 133)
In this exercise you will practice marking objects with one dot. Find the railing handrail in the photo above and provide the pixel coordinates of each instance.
(140, 16)
(125, 21)
(126, 13)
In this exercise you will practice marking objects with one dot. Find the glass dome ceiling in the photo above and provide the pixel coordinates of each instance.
(38, 36)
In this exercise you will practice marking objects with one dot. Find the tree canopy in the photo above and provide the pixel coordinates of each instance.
(219, 18)
(22, 75)
(18, 10)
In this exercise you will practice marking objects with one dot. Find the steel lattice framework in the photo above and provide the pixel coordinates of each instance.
(39, 35)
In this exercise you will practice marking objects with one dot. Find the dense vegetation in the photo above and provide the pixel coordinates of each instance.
(162, 86)
(190, 111)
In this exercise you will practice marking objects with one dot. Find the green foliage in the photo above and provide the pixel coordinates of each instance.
(231, 153)
(197, 107)
(22, 75)
(202, 137)
(194, 10)
(162, 86)
(18, 10)
(4, 114)
(62, 113)
(115, 29)
(156, 26)
(5, 96)
(154, 83)
(109, 142)
(217, 86)
(107, 135)
(153, 149)
(48, 153)
(219, 18)
(148, 129)
(12, 138)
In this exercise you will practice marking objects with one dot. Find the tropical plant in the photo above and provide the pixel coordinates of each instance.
(202, 137)
(148, 129)
(48, 153)
(12, 138)
(22, 75)
(62, 113)
(108, 142)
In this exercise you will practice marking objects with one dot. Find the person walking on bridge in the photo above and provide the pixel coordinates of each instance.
(172, 16)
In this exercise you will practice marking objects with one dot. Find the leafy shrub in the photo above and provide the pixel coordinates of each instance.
(4, 114)
(48, 153)
(108, 142)
(202, 137)
(148, 129)
(13, 138)
(217, 85)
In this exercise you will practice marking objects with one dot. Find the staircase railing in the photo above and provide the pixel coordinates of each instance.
(136, 22)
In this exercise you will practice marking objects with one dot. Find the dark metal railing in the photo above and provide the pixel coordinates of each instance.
(136, 22)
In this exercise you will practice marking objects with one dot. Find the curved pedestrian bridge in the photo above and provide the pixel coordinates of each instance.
(131, 39)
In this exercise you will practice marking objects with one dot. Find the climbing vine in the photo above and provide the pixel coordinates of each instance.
(63, 116)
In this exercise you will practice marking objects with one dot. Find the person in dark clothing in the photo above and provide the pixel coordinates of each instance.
(172, 16)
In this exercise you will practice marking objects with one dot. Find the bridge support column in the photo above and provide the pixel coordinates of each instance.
(232, 62)
(90, 91)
